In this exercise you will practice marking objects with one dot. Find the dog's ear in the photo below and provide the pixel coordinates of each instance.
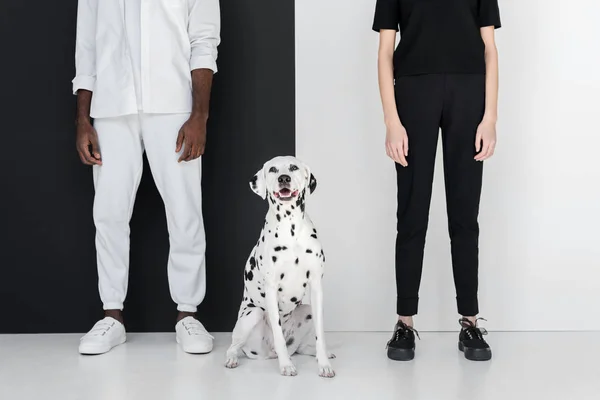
(312, 183)
(258, 184)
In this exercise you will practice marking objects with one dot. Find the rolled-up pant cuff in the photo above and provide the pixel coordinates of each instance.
(467, 306)
(407, 307)
(186, 308)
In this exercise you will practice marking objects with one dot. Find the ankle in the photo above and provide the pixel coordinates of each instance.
(472, 320)
(115, 314)
(185, 314)
(406, 320)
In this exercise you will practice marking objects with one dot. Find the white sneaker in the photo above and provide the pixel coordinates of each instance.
(106, 334)
(192, 337)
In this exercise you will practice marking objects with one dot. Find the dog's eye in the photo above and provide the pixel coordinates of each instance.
(273, 170)
(294, 168)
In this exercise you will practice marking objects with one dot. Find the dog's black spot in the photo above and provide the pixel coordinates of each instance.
(287, 315)
(276, 235)
(293, 226)
(263, 239)
(304, 284)
(314, 230)
(307, 274)
(281, 289)
(293, 208)
(251, 305)
(274, 259)
(245, 299)
(272, 199)
(293, 299)
(260, 257)
(282, 275)
(309, 251)
(279, 248)
(269, 231)
(316, 338)
(253, 181)
(262, 294)
(278, 217)
(253, 352)
(308, 317)
(288, 212)
(249, 275)
(297, 261)
(323, 255)
(299, 324)
(313, 236)
(292, 232)
(252, 262)
(290, 341)
(279, 321)
(262, 308)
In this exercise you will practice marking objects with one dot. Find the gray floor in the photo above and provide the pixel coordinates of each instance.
(150, 366)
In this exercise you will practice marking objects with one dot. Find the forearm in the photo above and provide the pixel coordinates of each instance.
(84, 102)
(491, 84)
(386, 86)
(201, 88)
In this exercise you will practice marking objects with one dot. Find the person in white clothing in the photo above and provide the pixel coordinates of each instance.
(144, 71)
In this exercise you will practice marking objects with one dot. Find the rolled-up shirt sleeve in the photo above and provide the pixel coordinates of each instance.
(85, 46)
(204, 29)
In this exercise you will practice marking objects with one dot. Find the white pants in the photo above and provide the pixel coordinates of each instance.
(122, 143)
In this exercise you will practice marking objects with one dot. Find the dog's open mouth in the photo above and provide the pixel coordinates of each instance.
(286, 194)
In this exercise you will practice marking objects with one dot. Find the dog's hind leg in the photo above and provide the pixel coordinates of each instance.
(302, 323)
(243, 327)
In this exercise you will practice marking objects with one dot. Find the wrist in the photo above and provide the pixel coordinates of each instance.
(489, 119)
(392, 120)
(83, 120)
(199, 117)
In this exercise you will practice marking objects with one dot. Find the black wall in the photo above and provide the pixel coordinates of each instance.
(48, 279)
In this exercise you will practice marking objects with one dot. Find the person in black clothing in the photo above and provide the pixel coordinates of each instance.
(443, 74)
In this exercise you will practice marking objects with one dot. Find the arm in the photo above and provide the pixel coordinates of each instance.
(396, 137)
(204, 32)
(85, 80)
(485, 141)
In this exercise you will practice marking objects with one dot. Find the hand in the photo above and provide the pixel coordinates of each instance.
(193, 135)
(485, 140)
(396, 142)
(87, 143)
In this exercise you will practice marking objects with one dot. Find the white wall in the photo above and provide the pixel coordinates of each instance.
(540, 210)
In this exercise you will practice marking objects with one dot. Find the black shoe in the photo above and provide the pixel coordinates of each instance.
(401, 346)
(472, 343)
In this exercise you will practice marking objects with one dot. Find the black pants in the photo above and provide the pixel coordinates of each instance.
(455, 103)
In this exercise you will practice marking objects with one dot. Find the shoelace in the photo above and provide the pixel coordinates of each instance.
(195, 328)
(101, 328)
(471, 330)
(402, 333)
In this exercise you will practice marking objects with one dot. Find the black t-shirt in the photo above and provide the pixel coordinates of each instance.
(437, 36)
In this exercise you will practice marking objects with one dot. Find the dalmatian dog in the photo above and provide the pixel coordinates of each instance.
(286, 261)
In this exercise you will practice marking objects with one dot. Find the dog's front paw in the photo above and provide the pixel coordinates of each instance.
(288, 370)
(326, 371)
(232, 362)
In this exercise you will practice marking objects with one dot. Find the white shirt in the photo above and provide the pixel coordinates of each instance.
(133, 29)
(175, 37)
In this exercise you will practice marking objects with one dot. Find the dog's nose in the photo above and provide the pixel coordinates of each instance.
(284, 179)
